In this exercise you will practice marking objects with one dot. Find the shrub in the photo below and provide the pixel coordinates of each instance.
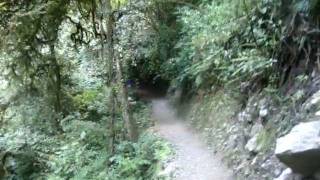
(139, 160)
(224, 42)
(86, 98)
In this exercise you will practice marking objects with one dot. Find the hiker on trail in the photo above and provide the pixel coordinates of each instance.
(130, 83)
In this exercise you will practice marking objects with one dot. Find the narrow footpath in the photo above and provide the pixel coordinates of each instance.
(193, 160)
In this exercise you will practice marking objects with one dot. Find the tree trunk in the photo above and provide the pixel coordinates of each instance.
(55, 77)
(131, 130)
(111, 132)
(110, 41)
(110, 81)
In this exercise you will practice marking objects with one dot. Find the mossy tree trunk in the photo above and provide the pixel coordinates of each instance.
(55, 85)
(131, 130)
(110, 80)
(130, 124)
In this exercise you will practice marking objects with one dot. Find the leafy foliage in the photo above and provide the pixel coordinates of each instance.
(139, 161)
(32, 112)
(83, 100)
(221, 43)
(54, 56)
(80, 152)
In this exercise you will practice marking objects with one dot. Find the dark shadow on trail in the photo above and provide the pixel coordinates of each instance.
(151, 90)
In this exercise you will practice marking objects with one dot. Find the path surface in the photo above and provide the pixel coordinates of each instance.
(193, 160)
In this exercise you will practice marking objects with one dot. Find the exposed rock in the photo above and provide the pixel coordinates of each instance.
(300, 149)
(3, 83)
(263, 112)
(263, 108)
(251, 112)
(254, 161)
(244, 117)
(312, 102)
(271, 164)
(256, 128)
(288, 175)
(232, 141)
(252, 145)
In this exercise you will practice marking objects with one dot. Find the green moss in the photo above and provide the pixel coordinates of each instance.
(222, 108)
(214, 110)
(266, 138)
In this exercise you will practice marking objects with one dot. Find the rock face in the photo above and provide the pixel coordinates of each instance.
(288, 175)
(313, 102)
(300, 149)
(253, 145)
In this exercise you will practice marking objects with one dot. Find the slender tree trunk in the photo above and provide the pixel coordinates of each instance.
(56, 80)
(110, 41)
(110, 81)
(131, 130)
(56, 85)
(111, 132)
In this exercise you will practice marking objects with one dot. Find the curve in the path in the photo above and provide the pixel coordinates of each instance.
(193, 160)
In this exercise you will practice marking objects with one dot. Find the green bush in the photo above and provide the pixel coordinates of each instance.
(224, 42)
(93, 104)
(83, 100)
(141, 160)
(132, 161)
(89, 133)
(142, 115)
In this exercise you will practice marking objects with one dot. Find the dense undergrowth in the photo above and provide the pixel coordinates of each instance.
(66, 110)
(246, 45)
(223, 43)
(80, 151)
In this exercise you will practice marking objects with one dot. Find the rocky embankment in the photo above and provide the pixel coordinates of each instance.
(300, 148)
(300, 151)
(269, 138)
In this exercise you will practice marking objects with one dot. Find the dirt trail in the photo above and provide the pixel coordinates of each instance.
(193, 160)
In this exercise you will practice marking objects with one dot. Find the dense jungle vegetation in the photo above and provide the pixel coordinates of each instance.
(70, 70)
